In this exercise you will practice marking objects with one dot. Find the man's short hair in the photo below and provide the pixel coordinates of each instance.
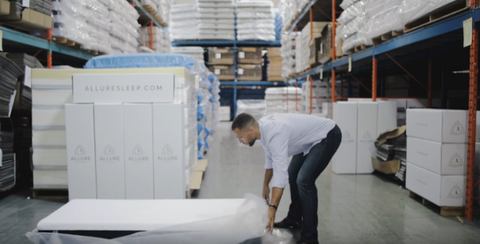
(243, 121)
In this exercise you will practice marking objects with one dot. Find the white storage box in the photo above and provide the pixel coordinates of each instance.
(80, 132)
(366, 135)
(118, 88)
(138, 132)
(442, 159)
(109, 151)
(444, 126)
(440, 190)
(345, 159)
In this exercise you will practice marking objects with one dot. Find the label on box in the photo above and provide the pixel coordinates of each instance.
(218, 55)
(119, 88)
(321, 48)
(240, 71)
(217, 71)
(26, 3)
(241, 55)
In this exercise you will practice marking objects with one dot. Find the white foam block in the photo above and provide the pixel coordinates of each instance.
(387, 117)
(50, 179)
(168, 142)
(48, 138)
(51, 97)
(80, 132)
(49, 157)
(109, 151)
(442, 159)
(136, 215)
(48, 117)
(366, 135)
(345, 159)
(138, 150)
(440, 190)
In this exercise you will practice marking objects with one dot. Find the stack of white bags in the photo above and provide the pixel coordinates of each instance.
(255, 21)
(217, 19)
(184, 22)
(159, 42)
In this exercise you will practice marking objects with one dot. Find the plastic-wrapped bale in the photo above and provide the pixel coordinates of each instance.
(183, 22)
(156, 39)
(123, 27)
(282, 100)
(255, 21)
(216, 20)
(195, 52)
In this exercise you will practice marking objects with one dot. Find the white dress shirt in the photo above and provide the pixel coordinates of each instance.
(285, 135)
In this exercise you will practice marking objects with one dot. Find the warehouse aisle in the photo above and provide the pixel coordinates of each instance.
(352, 209)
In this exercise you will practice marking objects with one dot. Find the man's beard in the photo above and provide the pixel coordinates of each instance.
(252, 143)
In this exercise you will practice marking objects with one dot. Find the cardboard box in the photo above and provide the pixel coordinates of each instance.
(442, 159)
(30, 19)
(443, 126)
(4, 7)
(118, 88)
(223, 72)
(440, 190)
(138, 131)
(109, 149)
(366, 135)
(250, 55)
(80, 132)
(249, 72)
(387, 167)
(169, 168)
(315, 46)
(345, 159)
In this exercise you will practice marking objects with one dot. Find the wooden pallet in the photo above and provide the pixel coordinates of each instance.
(197, 178)
(385, 37)
(149, 8)
(437, 15)
(50, 194)
(67, 42)
(444, 211)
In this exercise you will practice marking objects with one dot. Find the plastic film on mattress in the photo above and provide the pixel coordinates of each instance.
(347, 3)
(351, 12)
(411, 10)
(260, 37)
(255, 15)
(142, 60)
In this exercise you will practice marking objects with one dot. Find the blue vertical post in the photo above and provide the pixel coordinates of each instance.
(235, 52)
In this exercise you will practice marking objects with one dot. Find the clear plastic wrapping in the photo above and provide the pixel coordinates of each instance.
(216, 26)
(255, 15)
(352, 12)
(380, 24)
(347, 3)
(411, 10)
(246, 224)
(254, 25)
(230, 11)
(375, 7)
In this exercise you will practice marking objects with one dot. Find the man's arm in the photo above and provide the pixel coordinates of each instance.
(276, 195)
(268, 177)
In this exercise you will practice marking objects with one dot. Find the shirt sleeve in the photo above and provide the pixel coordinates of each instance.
(279, 154)
(268, 159)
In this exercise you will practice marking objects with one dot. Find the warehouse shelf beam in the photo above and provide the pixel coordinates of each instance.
(251, 83)
(227, 43)
(29, 40)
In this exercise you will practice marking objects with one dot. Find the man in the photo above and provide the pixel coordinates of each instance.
(312, 141)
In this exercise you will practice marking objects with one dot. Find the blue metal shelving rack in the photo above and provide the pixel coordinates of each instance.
(235, 45)
(448, 28)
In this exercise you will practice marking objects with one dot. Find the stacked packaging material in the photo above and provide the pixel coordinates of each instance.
(255, 21)
(217, 20)
(196, 52)
(283, 100)
(42, 6)
(437, 155)
(303, 47)
(288, 53)
(7, 164)
(123, 27)
(321, 95)
(8, 78)
(366, 19)
(255, 107)
(184, 22)
(278, 25)
(158, 42)
(292, 8)
(164, 7)
(275, 64)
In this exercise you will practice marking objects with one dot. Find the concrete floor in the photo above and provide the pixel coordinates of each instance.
(352, 208)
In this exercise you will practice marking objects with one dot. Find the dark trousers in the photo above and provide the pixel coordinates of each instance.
(303, 172)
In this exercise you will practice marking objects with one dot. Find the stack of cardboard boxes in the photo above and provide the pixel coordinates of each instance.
(322, 93)
(221, 61)
(20, 14)
(275, 63)
(250, 62)
(361, 123)
(303, 44)
(437, 155)
(119, 145)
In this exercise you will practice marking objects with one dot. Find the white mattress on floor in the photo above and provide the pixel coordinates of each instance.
(135, 215)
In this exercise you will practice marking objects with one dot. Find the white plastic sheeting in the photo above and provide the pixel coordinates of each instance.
(246, 224)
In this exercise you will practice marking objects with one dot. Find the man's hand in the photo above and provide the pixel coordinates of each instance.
(271, 219)
(266, 193)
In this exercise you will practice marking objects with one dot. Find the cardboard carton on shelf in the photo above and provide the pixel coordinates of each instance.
(249, 72)
(250, 55)
(316, 49)
(30, 19)
(4, 7)
(223, 72)
(221, 56)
